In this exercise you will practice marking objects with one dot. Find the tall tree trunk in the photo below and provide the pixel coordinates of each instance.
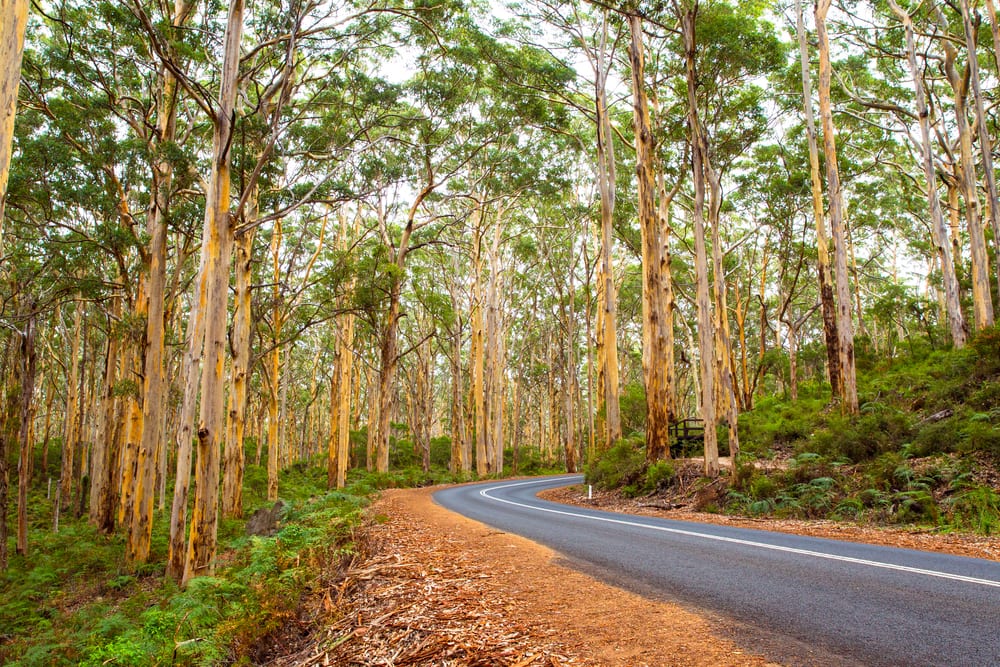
(845, 327)
(824, 271)
(607, 294)
(13, 20)
(218, 241)
(655, 313)
(706, 342)
(939, 230)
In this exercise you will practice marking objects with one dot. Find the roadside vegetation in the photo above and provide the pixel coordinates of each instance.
(75, 601)
(924, 449)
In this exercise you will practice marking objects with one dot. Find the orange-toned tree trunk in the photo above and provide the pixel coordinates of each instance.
(655, 311)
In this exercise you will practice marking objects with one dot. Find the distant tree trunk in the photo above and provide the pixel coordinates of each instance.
(939, 230)
(218, 241)
(105, 459)
(494, 356)
(655, 311)
(845, 328)
(274, 368)
(706, 343)
(569, 442)
(7, 409)
(346, 370)
(71, 427)
(723, 339)
(27, 367)
(460, 460)
(477, 352)
(825, 274)
(13, 20)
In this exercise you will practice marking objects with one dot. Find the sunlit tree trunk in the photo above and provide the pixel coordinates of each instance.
(655, 311)
(218, 241)
(939, 230)
(845, 327)
(607, 294)
(13, 20)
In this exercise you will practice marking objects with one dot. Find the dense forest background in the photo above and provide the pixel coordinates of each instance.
(495, 238)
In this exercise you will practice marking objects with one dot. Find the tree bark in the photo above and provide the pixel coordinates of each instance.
(655, 312)
(218, 240)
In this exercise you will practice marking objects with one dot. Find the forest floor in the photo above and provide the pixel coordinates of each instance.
(433, 588)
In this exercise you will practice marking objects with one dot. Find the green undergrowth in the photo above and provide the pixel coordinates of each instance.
(74, 601)
(924, 448)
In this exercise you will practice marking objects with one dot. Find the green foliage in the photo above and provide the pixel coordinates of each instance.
(75, 603)
(620, 466)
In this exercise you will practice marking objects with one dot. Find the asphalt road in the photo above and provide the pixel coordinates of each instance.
(798, 600)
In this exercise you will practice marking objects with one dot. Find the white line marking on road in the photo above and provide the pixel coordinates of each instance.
(732, 540)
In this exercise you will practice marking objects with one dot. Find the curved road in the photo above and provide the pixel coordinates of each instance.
(801, 600)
